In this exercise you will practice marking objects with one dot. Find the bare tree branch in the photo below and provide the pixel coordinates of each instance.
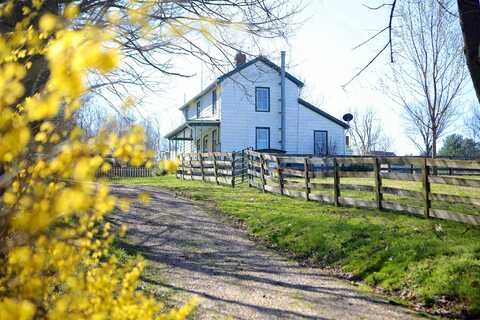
(428, 79)
(389, 43)
(367, 133)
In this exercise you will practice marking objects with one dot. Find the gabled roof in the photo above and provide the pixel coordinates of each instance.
(219, 80)
(322, 113)
(268, 63)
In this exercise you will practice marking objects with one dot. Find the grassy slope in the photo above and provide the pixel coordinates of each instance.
(430, 261)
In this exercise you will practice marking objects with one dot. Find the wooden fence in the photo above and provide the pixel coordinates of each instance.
(126, 172)
(375, 182)
(298, 177)
(228, 168)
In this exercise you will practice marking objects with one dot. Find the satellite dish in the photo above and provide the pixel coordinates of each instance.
(348, 117)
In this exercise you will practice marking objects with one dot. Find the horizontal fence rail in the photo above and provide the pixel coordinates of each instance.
(227, 168)
(401, 184)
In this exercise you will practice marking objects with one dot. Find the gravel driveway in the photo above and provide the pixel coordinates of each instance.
(200, 253)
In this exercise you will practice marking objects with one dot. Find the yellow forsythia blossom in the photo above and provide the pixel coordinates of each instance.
(170, 166)
(55, 256)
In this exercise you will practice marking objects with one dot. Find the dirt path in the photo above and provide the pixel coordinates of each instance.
(199, 253)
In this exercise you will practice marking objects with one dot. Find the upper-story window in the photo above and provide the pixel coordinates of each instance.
(262, 99)
(214, 101)
(198, 109)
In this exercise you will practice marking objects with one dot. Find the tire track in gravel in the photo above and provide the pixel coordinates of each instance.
(199, 253)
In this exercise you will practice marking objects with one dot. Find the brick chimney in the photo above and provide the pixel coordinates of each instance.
(240, 59)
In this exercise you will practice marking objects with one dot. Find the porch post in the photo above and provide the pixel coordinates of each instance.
(169, 149)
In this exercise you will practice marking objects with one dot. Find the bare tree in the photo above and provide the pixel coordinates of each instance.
(210, 31)
(90, 118)
(419, 133)
(367, 133)
(469, 18)
(153, 138)
(473, 122)
(429, 75)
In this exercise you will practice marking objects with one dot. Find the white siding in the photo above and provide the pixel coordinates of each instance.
(294, 126)
(205, 108)
(238, 116)
(309, 121)
(236, 111)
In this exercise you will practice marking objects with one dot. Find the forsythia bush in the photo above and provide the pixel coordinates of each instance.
(55, 260)
(170, 166)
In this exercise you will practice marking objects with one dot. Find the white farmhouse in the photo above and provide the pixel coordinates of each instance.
(257, 105)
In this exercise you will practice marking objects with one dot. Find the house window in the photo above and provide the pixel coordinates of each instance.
(199, 142)
(320, 142)
(198, 109)
(205, 144)
(214, 101)
(262, 99)
(262, 138)
(214, 140)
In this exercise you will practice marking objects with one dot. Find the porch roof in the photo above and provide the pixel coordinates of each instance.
(191, 124)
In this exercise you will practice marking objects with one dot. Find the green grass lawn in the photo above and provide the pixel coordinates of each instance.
(434, 262)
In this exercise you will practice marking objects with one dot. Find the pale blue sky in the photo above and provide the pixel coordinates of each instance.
(321, 54)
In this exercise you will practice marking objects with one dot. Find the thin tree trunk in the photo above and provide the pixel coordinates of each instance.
(434, 170)
(469, 11)
(434, 144)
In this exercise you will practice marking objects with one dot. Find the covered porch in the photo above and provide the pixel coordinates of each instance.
(194, 136)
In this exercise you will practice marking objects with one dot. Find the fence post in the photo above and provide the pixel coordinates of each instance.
(191, 167)
(215, 168)
(426, 187)
(262, 172)
(336, 183)
(250, 170)
(306, 173)
(243, 166)
(280, 174)
(378, 184)
(201, 166)
(233, 170)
